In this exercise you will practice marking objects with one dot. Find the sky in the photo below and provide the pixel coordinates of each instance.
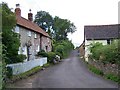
(80, 12)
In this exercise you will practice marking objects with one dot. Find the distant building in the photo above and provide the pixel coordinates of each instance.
(32, 37)
(82, 50)
(104, 34)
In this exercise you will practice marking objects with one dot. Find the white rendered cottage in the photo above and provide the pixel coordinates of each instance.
(104, 34)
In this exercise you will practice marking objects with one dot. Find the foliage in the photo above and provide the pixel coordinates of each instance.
(59, 49)
(10, 39)
(21, 58)
(105, 53)
(42, 53)
(61, 28)
(95, 49)
(96, 70)
(51, 57)
(44, 20)
(56, 27)
(62, 48)
(9, 72)
(113, 77)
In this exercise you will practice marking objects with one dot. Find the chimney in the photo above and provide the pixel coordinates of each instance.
(17, 10)
(30, 16)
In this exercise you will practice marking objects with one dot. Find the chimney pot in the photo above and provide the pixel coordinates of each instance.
(30, 15)
(18, 10)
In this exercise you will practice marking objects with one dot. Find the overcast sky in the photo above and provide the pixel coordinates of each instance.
(80, 12)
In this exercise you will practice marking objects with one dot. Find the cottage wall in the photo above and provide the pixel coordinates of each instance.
(24, 38)
(46, 44)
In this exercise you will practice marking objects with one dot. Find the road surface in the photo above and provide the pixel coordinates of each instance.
(70, 73)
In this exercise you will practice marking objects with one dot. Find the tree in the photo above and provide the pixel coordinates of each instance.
(10, 39)
(56, 27)
(62, 27)
(44, 20)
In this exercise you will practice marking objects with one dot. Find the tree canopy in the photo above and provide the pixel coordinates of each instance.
(10, 39)
(56, 27)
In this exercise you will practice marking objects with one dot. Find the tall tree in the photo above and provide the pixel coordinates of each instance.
(62, 27)
(57, 28)
(44, 20)
(10, 39)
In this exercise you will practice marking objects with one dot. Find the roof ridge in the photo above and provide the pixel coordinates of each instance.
(31, 25)
(101, 25)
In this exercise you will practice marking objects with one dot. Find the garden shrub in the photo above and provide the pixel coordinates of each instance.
(51, 56)
(105, 53)
(42, 53)
(21, 58)
(60, 49)
(9, 72)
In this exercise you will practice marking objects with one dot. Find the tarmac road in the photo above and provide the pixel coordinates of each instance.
(70, 73)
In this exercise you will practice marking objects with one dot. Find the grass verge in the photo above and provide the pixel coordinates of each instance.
(109, 76)
(96, 70)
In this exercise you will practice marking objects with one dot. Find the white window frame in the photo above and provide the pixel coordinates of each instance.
(17, 29)
(29, 33)
(38, 47)
(35, 35)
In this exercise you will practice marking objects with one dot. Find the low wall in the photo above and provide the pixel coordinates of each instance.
(106, 68)
(25, 66)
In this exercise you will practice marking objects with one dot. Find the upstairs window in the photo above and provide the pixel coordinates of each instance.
(35, 35)
(29, 33)
(17, 29)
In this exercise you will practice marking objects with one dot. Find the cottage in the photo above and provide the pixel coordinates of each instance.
(104, 34)
(32, 37)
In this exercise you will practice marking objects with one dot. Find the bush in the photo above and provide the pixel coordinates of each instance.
(51, 57)
(60, 50)
(42, 53)
(21, 58)
(105, 53)
(9, 72)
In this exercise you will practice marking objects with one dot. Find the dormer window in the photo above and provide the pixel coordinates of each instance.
(29, 33)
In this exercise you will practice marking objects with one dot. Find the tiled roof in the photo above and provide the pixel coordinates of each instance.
(30, 25)
(100, 32)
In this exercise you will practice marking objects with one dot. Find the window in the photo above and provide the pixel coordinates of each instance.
(17, 29)
(29, 33)
(108, 41)
(35, 35)
(37, 49)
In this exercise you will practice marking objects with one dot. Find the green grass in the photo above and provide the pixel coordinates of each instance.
(109, 76)
(46, 65)
(96, 70)
(112, 77)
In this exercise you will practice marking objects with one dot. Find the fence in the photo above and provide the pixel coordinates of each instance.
(25, 66)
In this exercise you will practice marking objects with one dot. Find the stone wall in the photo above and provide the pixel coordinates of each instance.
(26, 66)
(106, 68)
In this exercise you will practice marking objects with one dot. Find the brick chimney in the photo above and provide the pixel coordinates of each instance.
(30, 15)
(18, 10)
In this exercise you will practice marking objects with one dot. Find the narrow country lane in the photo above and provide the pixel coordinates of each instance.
(71, 73)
